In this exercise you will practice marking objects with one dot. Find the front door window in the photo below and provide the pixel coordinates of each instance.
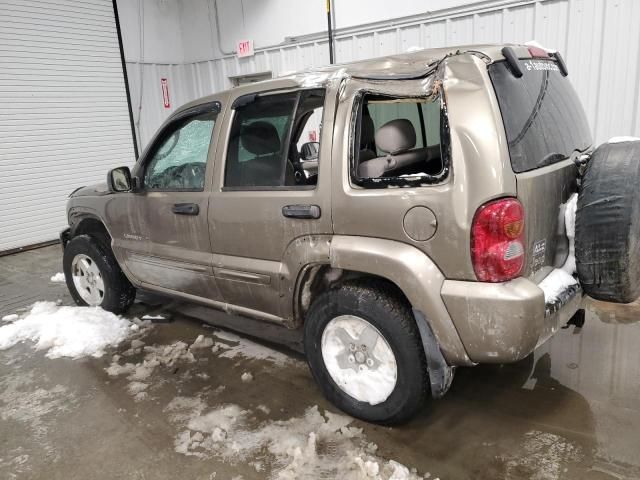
(180, 159)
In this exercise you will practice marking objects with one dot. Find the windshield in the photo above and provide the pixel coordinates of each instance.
(543, 117)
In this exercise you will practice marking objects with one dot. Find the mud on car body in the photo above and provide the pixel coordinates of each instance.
(410, 214)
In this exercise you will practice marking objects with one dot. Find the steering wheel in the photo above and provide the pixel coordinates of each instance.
(173, 141)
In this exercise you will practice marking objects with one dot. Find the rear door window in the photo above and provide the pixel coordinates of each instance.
(398, 141)
(543, 117)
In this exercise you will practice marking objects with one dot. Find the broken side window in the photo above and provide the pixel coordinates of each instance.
(398, 141)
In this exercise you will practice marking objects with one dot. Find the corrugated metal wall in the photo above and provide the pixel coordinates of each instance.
(600, 40)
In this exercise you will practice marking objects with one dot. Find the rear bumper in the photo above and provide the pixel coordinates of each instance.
(505, 322)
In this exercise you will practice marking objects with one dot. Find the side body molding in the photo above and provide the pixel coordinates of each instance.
(414, 273)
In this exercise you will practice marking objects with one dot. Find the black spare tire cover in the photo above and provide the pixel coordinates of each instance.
(608, 224)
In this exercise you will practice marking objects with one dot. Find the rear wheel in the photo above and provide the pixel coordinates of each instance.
(608, 224)
(364, 350)
(94, 277)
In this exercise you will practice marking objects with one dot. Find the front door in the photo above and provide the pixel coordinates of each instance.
(167, 245)
(263, 198)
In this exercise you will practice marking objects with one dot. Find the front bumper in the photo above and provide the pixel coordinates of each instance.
(505, 322)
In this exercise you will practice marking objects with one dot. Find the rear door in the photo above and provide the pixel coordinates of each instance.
(261, 201)
(547, 129)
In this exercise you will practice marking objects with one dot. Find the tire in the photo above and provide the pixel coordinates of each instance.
(117, 292)
(391, 317)
(608, 224)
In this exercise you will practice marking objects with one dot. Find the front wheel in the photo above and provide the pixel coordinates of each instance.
(94, 277)
(364, 350)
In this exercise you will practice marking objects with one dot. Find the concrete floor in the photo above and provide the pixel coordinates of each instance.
(571, 410)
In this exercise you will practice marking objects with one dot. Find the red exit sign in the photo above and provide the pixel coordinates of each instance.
(245, 48)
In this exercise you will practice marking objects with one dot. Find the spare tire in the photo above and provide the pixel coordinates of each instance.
(608, 224)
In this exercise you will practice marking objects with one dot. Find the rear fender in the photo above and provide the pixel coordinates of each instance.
(414, 273)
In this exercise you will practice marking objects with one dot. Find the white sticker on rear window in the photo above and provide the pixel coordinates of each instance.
(540, 65)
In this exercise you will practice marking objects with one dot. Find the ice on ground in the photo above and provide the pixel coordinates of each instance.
(247, 349)
(543, 456)
(10, 318)
(246, 377)
(137, 387)
(202, 342)
(67, 331)
(58, 278)
(314, 445)
(562, 278)
(155, 356)
(623, 139)
(153, 317)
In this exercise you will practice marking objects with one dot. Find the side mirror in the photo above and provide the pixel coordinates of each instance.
(119, 179)
(309, 151)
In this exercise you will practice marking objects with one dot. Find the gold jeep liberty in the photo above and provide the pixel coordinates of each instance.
(408, 215)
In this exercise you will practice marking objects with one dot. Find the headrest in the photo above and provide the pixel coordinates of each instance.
(396, 136)
(260, 138)
(367, 131)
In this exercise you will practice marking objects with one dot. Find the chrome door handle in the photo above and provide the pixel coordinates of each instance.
(301, 211)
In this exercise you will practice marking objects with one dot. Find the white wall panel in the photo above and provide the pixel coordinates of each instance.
(598, 38)
(64, 119)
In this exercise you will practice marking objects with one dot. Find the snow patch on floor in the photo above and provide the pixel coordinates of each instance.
(202, 342)
(67, 331)
(10, 318)
(153, 317)
(58, 278)
(155, 356)
(562, 278)
(314, 445)
(244, 348)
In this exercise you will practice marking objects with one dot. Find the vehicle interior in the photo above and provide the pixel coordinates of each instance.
(266, 145)
(397, 137)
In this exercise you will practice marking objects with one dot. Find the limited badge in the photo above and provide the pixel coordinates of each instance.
(539, 251)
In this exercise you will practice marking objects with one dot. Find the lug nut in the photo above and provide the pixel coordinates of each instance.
(370, 362)
(352, 347)
(362, 367)
(352, 359)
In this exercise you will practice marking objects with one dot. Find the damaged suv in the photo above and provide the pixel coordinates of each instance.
(409, 214)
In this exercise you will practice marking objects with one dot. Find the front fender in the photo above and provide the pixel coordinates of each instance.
(414, 273)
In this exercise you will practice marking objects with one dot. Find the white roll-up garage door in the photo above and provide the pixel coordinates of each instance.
(64, 118)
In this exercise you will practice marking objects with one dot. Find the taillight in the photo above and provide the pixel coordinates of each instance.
(497, 240)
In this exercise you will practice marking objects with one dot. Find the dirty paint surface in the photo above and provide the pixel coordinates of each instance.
(569, 411)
